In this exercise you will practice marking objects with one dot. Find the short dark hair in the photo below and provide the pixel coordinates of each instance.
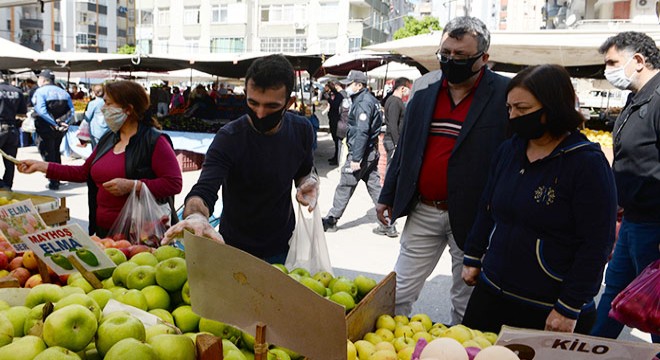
(634, 42)
(125, 93)
(271, 72)
(551, 85)
(402, 81)
(458, 27)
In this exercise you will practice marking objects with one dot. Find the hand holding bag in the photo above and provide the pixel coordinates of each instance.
(638, 305)
(307, 247)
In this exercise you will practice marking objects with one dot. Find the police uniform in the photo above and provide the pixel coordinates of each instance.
(12, 102)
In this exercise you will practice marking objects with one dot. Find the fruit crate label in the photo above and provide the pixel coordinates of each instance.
(546, 345)
(18, 219)
(54, 245)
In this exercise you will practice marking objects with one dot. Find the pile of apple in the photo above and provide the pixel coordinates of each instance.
(23, 268)
(395, 338)
(604, 138)
(341, 289)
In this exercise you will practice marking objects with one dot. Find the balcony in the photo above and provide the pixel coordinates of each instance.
(103, 9)
(31, 24)
(34, 45)
(102, 29)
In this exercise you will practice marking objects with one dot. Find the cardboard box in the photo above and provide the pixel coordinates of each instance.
(547, 345)
(234, 287)
(41, 203)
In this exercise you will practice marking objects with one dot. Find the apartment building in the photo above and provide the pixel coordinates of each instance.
(239, 26)
(70, 25)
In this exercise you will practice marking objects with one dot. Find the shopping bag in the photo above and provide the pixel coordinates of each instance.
(83, 132)
(638, 305)
(307, 247)
(142, 221)
(28, 123)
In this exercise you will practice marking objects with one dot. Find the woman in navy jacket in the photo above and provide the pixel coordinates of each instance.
(546, 221)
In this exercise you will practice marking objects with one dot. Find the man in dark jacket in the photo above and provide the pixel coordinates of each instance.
(632, 62)
(440, 167)
(395, 110)
(12, 103)
(364, 121)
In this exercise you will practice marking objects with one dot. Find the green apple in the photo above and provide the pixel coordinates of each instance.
(141, 277)
(234, 355)
(117, 256)
(43, 293)
(80, 299)
(57, 353)
(482, 341)
(163, 315)
(167, 252)
(118, 292)
(83, 284)
(185, 293)
(220, 329)
(422, 334)
(249, 355)
(185, 319)
(401, 319)
(130, 348)
(385, 345)
(384, 355)
(167, 345)
(344, 299)
(364, 284)
(157, 297)
(6, 330)
(72, 277)
(364, 349)
(227, 346)
(108, 283)
(121, 272)
(113, 314)
(491, 337)
(172, 273)
(34, 321)
(351, 351)
(459, 333)
(27, 347)
(313, 285)
(68, 290)
(144, 258)
(16, 316)
(159, 329)
(403, 331)
(101, 296)
(402, 343)
(424, 319)
(386, 321)
(134, 297)
(72, 327)
(344, 285)
(292, 354)
(278, 354)
(385, 334)
(282, 268)
(103, 274)
(324, 277)
(406, 353)
(4, 305)
(248, 341)
(416, 326)
(295, 277)
(300, 271)
(372, 338)
(114, 329)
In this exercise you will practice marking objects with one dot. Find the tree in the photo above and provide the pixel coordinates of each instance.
(126, 49)
(414, 27)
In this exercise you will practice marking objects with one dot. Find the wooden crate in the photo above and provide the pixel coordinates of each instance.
(379, 301)
(188, 160)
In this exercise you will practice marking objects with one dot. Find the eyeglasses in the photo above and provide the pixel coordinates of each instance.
(461, 60)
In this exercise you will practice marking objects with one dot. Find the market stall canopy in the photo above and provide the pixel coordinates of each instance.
(395, 70)
(16, 56)
(577, 50)
(364, 60)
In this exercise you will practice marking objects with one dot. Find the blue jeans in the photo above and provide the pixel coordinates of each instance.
(636, 248)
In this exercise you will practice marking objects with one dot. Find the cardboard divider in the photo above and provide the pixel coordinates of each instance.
(379, 301)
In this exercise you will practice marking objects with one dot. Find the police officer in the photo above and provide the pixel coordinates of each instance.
(12, 103)
(364, 121)
(54, 110)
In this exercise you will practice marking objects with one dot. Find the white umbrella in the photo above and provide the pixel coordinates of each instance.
(395, 70)
(16, 56)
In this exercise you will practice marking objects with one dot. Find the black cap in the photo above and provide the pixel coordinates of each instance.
(47, 74)
(355, 76)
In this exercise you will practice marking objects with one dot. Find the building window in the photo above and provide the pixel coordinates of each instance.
(330, 12)
(83, 18)
(219, 13)
(282, 13)
(191, 16)
(328, 46)
(146, 17)
(227, 45)
(144, 46)
(81, 39)
(284, 45)
(161, 46)
(131, 14)
(354, 44)
(192, 45)
(130, 31)
(163, 16)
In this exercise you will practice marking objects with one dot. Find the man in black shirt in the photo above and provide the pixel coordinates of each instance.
(12, 103)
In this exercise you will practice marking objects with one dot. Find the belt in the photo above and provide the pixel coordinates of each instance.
(438, 204)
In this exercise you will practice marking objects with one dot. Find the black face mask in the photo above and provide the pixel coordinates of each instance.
(458, 73)
(528, 126)
(268, 122)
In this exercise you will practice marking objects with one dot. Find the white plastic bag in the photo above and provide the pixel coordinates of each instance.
(307, 247)
(28, 123)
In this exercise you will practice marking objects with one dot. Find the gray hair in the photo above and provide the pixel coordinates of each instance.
(457, 27)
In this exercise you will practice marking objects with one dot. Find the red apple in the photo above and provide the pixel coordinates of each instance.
(63, 278)
(126, 251)
(136, 249)
(21, 274)
(120, 244)
(33, 281)
(4, 261)
(16, 262)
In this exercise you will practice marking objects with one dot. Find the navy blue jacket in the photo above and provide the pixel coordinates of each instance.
(547, 227)
(483, 131)
(364, 121)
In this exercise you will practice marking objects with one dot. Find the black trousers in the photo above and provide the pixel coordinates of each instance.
(49, 146)
(9, 140)
(488, 311)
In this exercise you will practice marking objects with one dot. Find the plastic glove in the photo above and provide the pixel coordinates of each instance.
(308, 192)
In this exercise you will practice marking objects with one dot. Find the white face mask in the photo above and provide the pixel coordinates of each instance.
(617, 76)
(114, 117)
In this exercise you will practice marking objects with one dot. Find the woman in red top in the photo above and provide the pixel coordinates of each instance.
(133, 153)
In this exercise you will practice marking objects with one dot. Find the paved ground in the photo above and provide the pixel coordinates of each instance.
(354, 249)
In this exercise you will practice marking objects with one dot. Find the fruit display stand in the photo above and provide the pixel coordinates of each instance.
(241, 290)
(52, 210)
